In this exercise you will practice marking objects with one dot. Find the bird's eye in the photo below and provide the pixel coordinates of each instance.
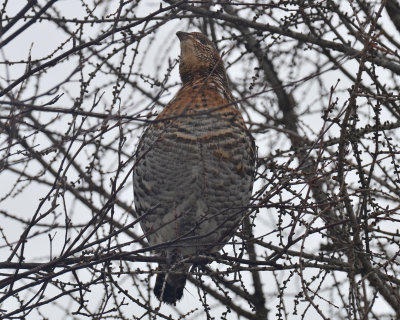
(203, 41)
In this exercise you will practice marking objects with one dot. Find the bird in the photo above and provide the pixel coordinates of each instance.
(194, 169)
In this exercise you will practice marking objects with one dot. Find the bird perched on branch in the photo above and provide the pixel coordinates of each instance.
(194, 168)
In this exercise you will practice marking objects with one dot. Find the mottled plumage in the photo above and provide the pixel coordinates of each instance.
(194, 172)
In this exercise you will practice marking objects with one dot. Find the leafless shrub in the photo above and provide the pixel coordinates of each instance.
(318, 83)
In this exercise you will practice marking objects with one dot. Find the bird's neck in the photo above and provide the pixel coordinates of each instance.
(213, 82)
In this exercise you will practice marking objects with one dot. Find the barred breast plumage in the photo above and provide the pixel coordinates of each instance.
(194, 171)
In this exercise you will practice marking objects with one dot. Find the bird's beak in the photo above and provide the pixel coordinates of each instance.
(182, 35)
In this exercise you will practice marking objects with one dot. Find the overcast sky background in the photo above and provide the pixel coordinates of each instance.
(42, 39)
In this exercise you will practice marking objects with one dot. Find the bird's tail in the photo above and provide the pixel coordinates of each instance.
(170, 283)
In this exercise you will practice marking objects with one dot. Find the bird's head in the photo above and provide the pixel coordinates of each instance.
(199, 58)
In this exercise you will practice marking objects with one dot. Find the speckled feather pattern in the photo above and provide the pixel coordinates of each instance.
(194, 172)
(194, 181)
